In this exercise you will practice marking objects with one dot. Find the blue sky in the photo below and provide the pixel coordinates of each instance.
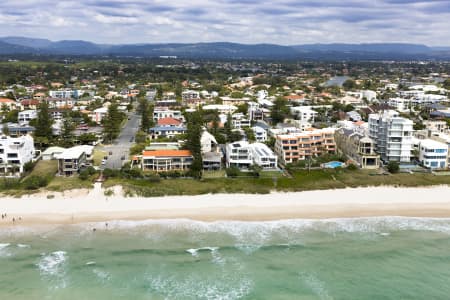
(285, 22)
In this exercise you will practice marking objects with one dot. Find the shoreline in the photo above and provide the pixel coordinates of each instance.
(84, 206)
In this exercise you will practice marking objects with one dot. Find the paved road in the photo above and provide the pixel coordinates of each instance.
(122, 144)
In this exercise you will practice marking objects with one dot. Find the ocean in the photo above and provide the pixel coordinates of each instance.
(362, 258)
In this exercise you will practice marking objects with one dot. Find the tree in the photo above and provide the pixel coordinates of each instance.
(112, 122)
(194, 132)
(67, 128)
(393, 167)
(350, 84)
(5, 129)
(144, 110)
(44, 122)
(279, 111)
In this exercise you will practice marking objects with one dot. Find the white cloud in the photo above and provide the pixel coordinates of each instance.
(246, 21)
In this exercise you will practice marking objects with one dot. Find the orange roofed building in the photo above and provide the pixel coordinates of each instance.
(164, 160)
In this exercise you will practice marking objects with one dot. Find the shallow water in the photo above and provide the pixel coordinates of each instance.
(371, 258)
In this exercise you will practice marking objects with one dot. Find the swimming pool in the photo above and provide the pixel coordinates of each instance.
(333, 164)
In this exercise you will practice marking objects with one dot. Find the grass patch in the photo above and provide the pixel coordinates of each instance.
(301, 180)
(45, 168)
(59, 183)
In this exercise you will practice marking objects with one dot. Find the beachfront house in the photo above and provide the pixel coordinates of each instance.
(164, 160)
(72, 160)
(357, 147)
(433, 154)
(15, 152)
(243, 155)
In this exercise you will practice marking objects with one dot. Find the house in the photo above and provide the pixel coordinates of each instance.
(98, 114)
(52, 153)
(211, 156)
(392, 136)
(25, 116)
(9, 104)
(164, 112)
(60, 103)
(171, 122)
(234, 101)
(190, 94)
(260, 133)
(435, 125)
(30, 103)
(240, 121)
(243, 155)
(15, 152)
(72, 160)
(166, 131)
(297, 146)
(221, 108)
(61, 94)
(208, 142)
(304, 113)
(357, 147)
(164, 160)
(353, 116)
(17, 130)
(433, 154)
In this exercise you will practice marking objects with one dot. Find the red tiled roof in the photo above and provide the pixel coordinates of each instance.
(167, 153)
(293, 97)
(5, 100)
(168, 121)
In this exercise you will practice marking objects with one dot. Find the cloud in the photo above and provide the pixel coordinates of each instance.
(247, 21)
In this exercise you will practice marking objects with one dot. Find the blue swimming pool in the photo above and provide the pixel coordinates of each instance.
(333, 164)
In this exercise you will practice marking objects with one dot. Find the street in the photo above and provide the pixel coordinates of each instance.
(122, 144)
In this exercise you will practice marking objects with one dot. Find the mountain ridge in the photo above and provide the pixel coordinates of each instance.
(23, 45)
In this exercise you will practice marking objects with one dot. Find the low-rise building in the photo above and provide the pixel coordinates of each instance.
(260, 134)
(243, 155)
(72, 160)
(357, 147)
(165, 160)
(14, 154)
(304, 113)
(239, 121)
(164, 112)
(166, 131)
(294, 147)
(433, 154)
(25, 116)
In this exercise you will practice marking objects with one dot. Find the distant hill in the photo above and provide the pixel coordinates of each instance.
(225, 50)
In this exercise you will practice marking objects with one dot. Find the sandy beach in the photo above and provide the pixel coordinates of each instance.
(80, 206)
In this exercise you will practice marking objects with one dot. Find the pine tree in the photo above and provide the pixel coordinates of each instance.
(44, 122)
(144, 109)
(194, 132)
(112, 122)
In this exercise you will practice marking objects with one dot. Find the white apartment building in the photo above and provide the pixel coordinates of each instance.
(243, 155)
(24, 117)
(401, 104)
(190, 94)
(14, 154)
(435, 125)
(304, 113)
(392, 136)
(239, 121)
(61, 94)
(260, 134)
(161, 112)
(433, 154)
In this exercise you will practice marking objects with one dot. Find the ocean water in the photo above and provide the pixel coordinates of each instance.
(367, 258)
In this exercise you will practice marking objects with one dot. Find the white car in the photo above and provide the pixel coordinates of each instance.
(103, 161)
